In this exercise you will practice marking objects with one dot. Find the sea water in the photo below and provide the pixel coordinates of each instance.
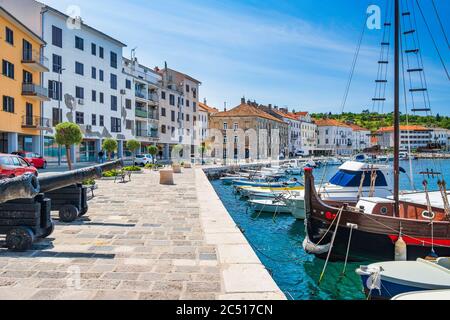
(277, 240)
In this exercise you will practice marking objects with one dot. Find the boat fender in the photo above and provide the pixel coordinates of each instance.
(401, 250)
(313, 248)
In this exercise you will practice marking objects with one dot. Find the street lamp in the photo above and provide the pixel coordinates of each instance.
(60, 70)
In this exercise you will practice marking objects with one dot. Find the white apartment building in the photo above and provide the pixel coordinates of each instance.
(334, 138)
(440, 136)
(361, 138)
(178, 111)
(86, 84)
(144, 113)
(413, 136)
(308, 133)
(204, 114)
(294, 128)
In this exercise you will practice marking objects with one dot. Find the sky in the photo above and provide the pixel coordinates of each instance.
(290, 53)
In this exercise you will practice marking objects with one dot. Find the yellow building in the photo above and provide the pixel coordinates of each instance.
(21, 93)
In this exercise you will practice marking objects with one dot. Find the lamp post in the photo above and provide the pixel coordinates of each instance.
(59, 109)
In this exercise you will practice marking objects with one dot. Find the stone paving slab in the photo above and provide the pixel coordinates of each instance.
(141, 240)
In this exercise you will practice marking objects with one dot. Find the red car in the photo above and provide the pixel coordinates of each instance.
(33, 158)
(14, 166)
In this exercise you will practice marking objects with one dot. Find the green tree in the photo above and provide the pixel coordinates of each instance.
(153, 150)
(133, 146)
(109, 145)
(68, 134)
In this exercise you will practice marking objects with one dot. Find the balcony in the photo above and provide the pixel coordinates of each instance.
(141, 113)
(30, 122)
(35, 91)
(35, 60)
(140, 94)
(153, 97)
(151, 134)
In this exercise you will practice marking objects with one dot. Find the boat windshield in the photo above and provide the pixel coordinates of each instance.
(346, 178)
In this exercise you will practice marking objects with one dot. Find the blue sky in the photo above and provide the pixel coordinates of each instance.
(291, 53)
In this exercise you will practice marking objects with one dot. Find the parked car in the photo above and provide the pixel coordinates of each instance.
(300, 153)
(14, 166)
(34, 159)
(143, 159)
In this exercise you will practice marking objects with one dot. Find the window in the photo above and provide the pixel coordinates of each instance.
(187, 88)
(57, 63)
(128, 103)
(94, 73)
(79, 68)
(56, 116)
(129, 125)
(163, 95)
(100, 52)
(163, 129)
(113, 103)
(101, 97)
(113, 79)
(163, 112)
(27, 77)
(57, 36)
(225, 126)
(79, 93)
(9, 36)
(102, 120)
(172, 115)
(194, 93)
(194, 106)
(27, 50)
(93, 49)
(172, 100)
(79, 117)
(235, 126)
(100, 75)
(128, 84)
(116, 125)
(79, 43)
(94, 95)
(187, 118)
(8, 69)
(8, 104)
(188, 103)
(54, 90)
(114, 60)
(94, 119)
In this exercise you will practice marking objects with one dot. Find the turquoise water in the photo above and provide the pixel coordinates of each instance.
(278, 243)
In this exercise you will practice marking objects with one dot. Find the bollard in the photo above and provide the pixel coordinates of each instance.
(176, 168)
(166, 177)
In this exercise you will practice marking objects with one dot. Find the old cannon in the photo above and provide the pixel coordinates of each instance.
(26, 203)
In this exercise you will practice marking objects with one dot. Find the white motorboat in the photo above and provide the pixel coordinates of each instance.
(272, 206)
(333, 162)
(386, 280)
(433, 295)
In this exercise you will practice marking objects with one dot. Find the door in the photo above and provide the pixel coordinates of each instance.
(27, 77)
(29, 114)
(27, 51)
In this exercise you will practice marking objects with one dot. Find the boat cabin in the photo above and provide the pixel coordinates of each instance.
(350, 175)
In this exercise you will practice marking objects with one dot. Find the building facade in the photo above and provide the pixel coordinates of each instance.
(178, 111)
(204, 114)
(308, 133)
(86, 84)
(21, 89)
(410, 137)
(361, 137)
(334, 138)
(248, 117)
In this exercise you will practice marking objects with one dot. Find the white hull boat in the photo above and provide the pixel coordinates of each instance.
(432, 295)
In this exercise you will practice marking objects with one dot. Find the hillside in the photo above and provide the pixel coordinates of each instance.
(374, 121)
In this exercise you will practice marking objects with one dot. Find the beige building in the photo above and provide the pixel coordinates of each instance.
(204, 114)
(251, 120)
(178, 111)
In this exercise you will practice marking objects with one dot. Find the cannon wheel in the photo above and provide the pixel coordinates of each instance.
(20, 239)
(84, 211)
(48, 231)
(68, 213)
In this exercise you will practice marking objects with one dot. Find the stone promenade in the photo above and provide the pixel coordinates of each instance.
(141, 240)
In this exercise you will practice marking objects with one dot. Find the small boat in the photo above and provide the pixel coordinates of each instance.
(433, 295)
(333, 162)
(241, 183)
(386, 280)
(266, 192)
(269, 206)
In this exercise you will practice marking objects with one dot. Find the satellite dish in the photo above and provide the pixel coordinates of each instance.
(70, 101)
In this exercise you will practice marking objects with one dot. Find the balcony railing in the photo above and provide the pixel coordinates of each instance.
(141, 94)
(36, 122)
(141, 113)
(147, 134)
(153, 97)
(35, 91)
(35, 60)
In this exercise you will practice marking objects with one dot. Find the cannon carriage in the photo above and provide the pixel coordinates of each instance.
(26, 203)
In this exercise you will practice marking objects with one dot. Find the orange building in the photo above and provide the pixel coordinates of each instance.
(21, 93)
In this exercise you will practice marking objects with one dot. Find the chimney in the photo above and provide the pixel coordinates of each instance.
(243, 100)
(276, 107)
(204, 101)
(270, 106)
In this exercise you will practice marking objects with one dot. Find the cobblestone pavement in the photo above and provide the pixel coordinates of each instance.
(139, 240)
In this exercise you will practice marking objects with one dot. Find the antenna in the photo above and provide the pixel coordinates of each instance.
(133, 53)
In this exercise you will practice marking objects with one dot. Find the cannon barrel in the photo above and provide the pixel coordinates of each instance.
(62, 180)
(23, 187)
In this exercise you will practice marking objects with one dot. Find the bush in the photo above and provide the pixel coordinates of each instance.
(88, 182)
(151, 166)
(110, 174)
(132, 169)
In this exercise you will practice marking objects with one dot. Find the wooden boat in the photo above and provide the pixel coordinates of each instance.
(373, 227)
(385, 280)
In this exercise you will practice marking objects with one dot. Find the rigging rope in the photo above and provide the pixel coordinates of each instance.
(440, 23)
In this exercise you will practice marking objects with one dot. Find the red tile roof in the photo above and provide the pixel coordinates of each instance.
(246, 110)
(404, 128)
(357, 128)
(207, 108)
(330, 123)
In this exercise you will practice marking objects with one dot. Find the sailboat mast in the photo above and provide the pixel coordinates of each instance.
(397, 110)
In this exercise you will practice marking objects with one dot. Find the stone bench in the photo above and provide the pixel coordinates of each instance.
(166, 177)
